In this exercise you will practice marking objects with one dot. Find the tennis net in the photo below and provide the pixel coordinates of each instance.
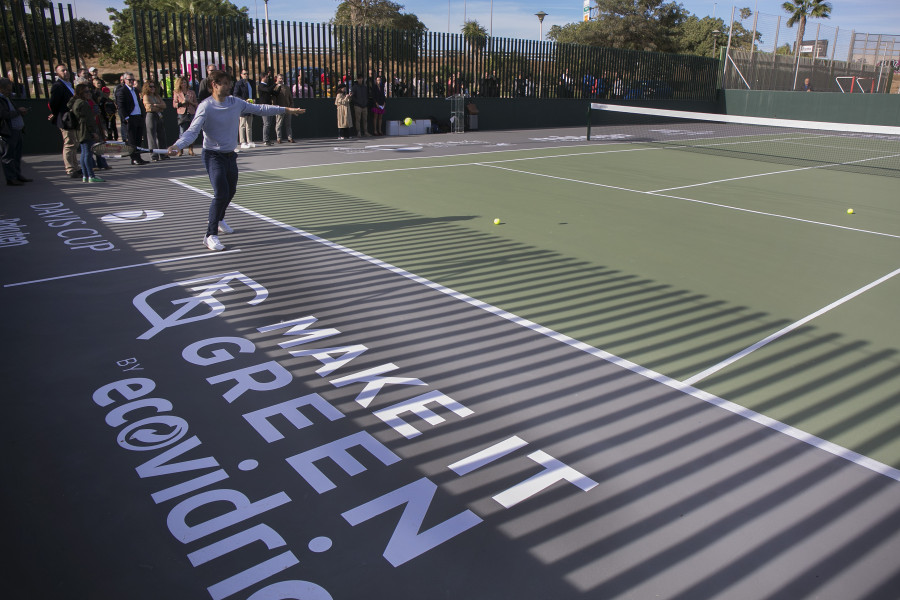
(869, 149)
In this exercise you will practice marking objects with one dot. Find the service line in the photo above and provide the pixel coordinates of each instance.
(782, 332)
(695, 201)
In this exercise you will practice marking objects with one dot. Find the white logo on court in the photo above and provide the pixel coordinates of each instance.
(203, 290)
(132, 216)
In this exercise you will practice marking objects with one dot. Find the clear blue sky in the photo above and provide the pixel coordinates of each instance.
(515, 18)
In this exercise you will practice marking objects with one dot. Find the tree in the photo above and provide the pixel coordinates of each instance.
(376, 13)
(20, 22)
(697, 35)
(92, 38)
(475, 35)
(800, 10)
(403, 40)
(629, 24)
(123, 27)
(27, 37)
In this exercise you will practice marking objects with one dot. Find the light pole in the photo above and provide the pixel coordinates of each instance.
(268, 41)
(491, 32)
(540, 16)
(715, 34)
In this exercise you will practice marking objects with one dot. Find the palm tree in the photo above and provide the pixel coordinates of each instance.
(800, 10)
(475, 35)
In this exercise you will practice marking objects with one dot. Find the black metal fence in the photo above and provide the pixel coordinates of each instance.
(413, 63)
(33, 40)
(418, 64)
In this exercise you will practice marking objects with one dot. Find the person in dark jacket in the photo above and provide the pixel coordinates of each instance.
(88, 131)
(60, 93)
(360, 97)
(131, 114)
(265, 88)
(378, 103)
(204, 90)
(11, 127)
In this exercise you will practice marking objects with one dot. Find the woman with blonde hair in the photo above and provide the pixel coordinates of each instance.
(185, 103)
(155, 106)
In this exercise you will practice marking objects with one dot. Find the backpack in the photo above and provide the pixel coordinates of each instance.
(68, 120)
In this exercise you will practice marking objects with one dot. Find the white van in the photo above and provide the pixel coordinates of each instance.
(198, 61)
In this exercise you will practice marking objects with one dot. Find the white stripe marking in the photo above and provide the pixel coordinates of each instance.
(782, 332)
(487, 456)
(146, 264)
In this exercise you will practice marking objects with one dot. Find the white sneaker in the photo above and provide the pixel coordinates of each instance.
(251, 145)
(212, 242)
(245, 145)
(225, 228)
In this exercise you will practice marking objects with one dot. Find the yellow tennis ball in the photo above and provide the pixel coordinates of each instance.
(407, 121)
(496, 221)
(849, 211)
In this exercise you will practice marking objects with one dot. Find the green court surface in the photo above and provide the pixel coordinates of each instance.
(672, 260)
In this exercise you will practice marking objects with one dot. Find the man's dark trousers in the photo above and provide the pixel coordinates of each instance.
(223, 175)
(135, 129)
(12, 155)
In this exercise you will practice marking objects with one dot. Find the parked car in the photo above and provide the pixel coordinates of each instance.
(48, 76)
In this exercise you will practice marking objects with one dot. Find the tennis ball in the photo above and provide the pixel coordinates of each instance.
(407, 121)
(496, 221)
(849, 211)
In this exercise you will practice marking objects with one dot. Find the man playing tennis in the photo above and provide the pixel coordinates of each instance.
(219, 118)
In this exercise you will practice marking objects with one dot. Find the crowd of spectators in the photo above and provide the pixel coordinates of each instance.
(134, 111)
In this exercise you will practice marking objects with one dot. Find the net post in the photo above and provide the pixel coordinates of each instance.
(589, 122)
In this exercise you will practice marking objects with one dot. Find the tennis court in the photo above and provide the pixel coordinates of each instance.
(664, 374)
(674, 261)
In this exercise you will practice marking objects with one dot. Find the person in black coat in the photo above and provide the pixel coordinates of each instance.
(60, 92)
(265, 87)
(131, 114)
(11, 126)
(204, 89)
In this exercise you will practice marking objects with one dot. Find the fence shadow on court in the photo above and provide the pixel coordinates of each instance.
(692, 502)
(840, 389)
(682, 485)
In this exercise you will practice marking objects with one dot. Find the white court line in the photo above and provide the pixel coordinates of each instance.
(681, 187)
(146, 264)
(192, 188)
(782, 332)
(741, 411)
(737, 208)
(467, 164)
(375, 160)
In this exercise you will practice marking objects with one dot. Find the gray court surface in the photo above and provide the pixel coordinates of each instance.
(290, 420)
